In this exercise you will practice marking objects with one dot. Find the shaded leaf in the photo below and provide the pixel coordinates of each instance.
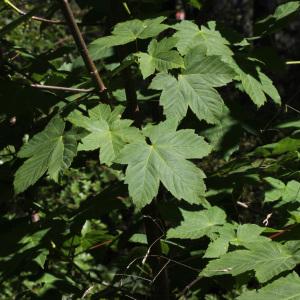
(196, 224)
(284, 288)
(266, 259)
(52, 150)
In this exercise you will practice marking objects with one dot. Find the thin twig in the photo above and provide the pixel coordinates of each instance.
(40, 19)
(81, 45)
(163, 267)
(293, 62)
(189, 286)
(61, 88)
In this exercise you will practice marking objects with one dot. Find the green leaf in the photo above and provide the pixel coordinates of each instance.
(291, 192)
(209, 70)
(197, 224)
(165, 160)
(217, 248)
(284, 288)
(160, 57)
(139, 238)
(266, 259)
(195, 3)
(210, 40)
(287, 144)
(41, 258)
(253, 88)
(249, 233)
(269, 88)
(282, 14)
(277, 189)
(127, 32)
(107, 131)
(219, 245)
(194, 88)
(243, 235)
(52, 150)
(140, 29)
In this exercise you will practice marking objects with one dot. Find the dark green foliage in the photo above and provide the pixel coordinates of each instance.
(180, 181)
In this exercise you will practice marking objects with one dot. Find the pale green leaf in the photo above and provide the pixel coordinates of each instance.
(197, 224)
(284, 288)
(266, 259)
(107, 131)
(165, 160)
(52, 150)
(160, 57)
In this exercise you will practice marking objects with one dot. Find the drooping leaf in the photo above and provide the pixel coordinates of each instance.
(196, 224)
(284, 288)
(107, 130)
(165, 160)
(53, 149)
(160, 57)
(266, 259)
(253, 88)
(269, 88)
(254, 82)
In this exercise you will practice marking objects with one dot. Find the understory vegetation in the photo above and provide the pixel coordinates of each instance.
(149, 149)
